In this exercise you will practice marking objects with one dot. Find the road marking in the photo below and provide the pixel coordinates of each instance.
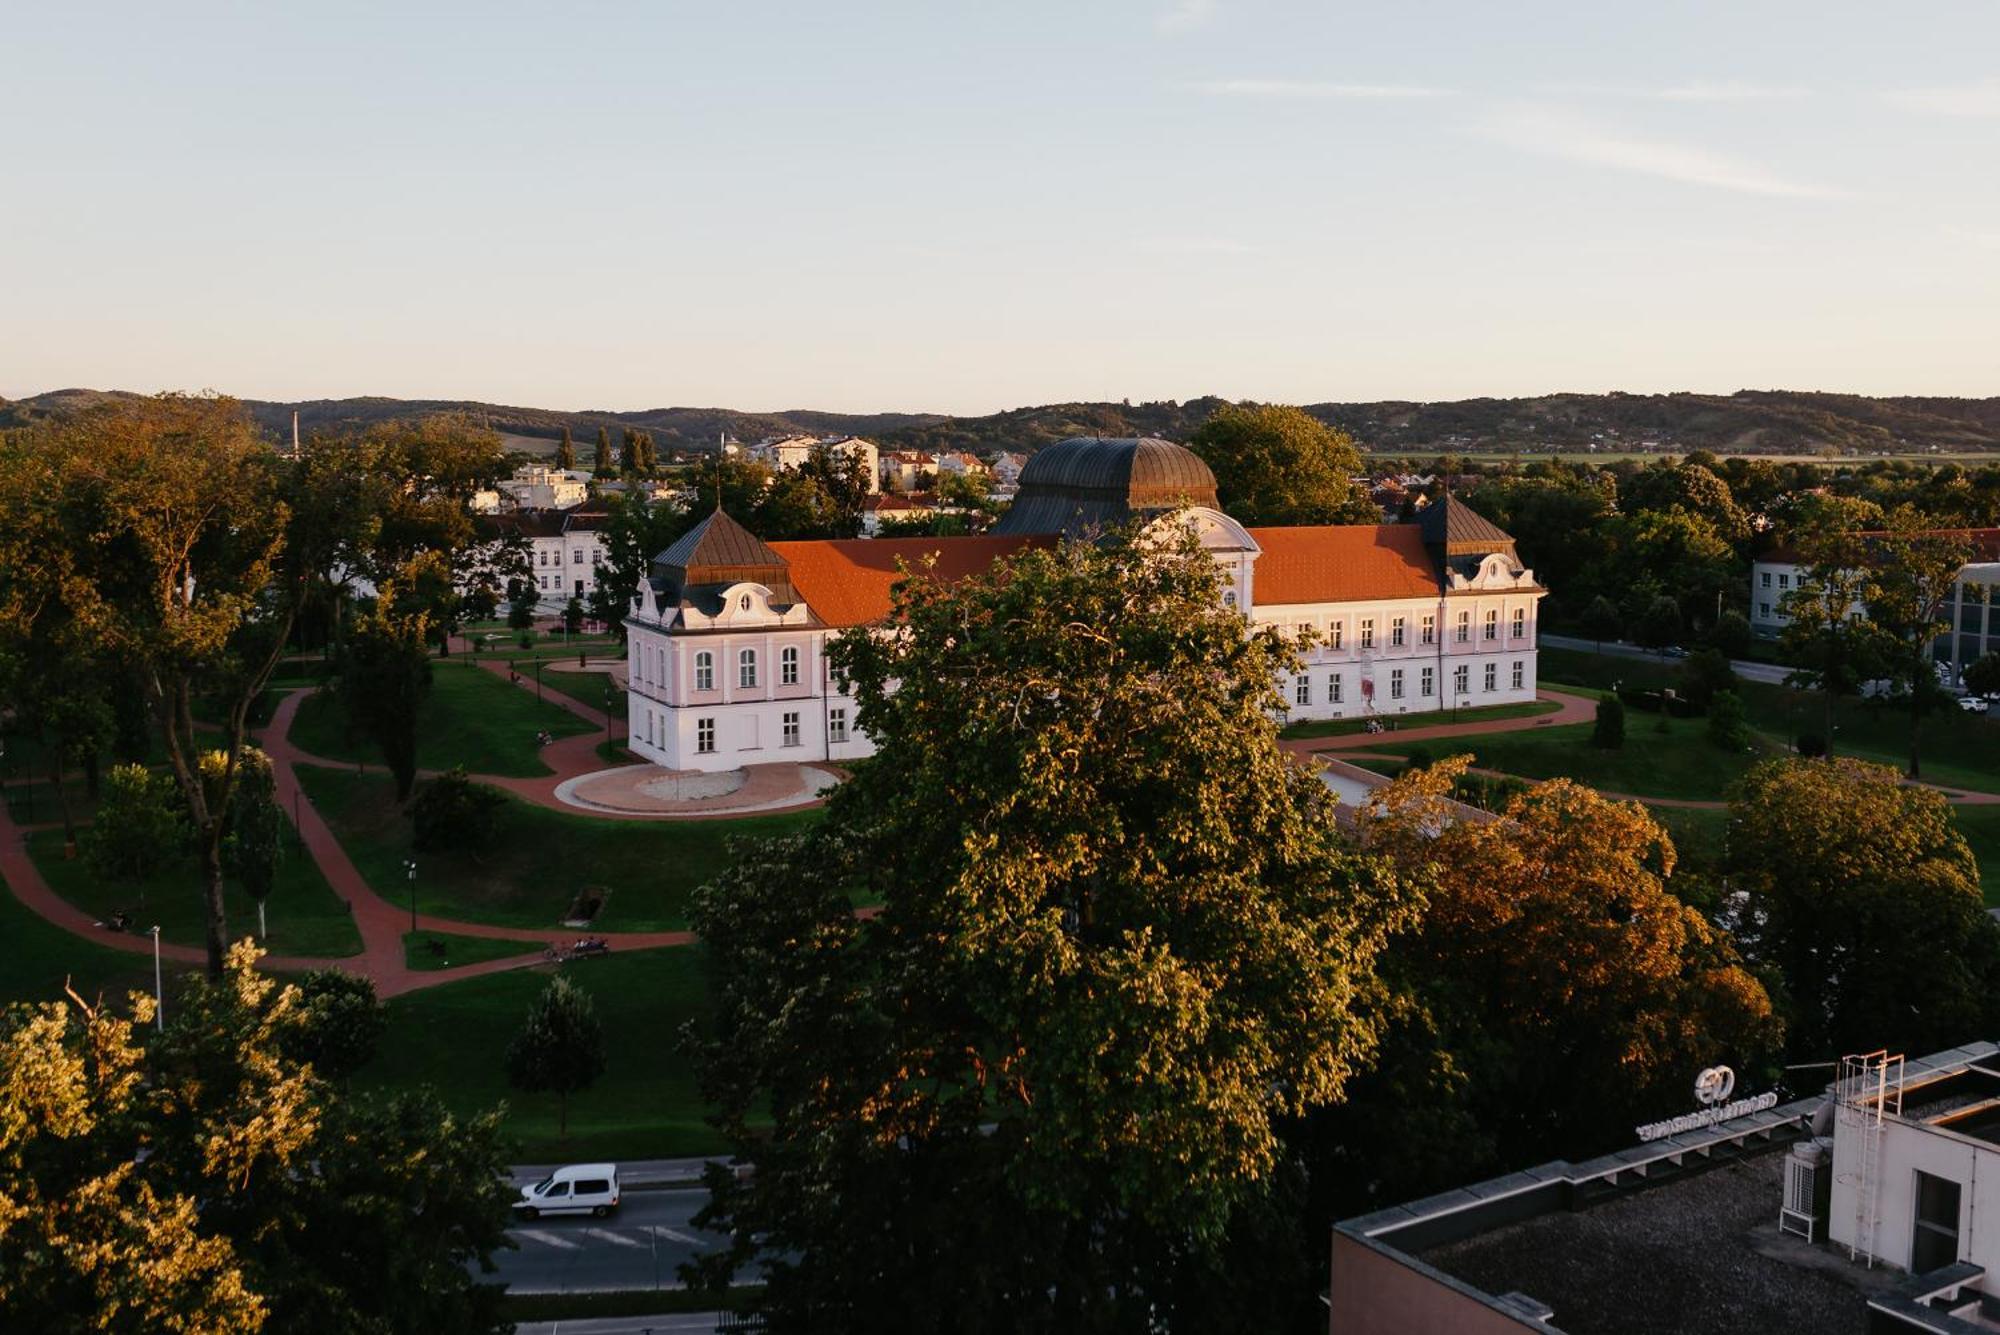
(678, 1236)
(547, 1239)
(615, 1239)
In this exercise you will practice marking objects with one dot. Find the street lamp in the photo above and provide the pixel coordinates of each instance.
(159, 994)
(538, 679)
(410, 866)
(607, 716)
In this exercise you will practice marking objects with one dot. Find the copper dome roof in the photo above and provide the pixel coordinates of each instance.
(1096, 482)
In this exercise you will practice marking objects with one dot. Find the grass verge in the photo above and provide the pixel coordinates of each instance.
(645, 1105)
(419, 955)
(1343, 727)
(470, 717)
(541, 859)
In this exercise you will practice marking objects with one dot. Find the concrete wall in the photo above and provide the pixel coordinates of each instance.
(1907, 1149)
(1375, 1291)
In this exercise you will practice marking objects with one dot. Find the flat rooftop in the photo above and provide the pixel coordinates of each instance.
(1699, 1252)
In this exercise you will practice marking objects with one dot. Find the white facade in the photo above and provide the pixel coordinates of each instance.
(790, 452)
(748, 684)
(538, 487)
(1972, 614)
(565, 564)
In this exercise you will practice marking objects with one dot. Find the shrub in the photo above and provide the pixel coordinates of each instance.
(343, 1023)
(1610, 730)
(1726, 725)
(1731, 634)
(452, 812)
(138, 829)
(1810, 744)
(1704, 674)
(1418, 757)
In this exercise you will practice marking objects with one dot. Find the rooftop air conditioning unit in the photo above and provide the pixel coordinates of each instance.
(1808, 1191)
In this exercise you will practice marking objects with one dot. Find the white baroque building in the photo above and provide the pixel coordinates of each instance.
(727, 642)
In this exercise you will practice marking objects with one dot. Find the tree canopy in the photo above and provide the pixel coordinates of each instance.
(1279, 465)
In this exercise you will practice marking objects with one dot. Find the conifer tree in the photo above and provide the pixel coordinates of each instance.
(566, 452)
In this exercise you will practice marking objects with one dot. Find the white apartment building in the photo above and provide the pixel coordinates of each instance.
(789, 452)
(565, 551)
(726, 645)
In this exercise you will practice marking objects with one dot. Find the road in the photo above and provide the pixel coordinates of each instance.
(1770, 674)
(640, 1247)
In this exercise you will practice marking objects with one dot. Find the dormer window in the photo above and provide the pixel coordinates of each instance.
(743, 603)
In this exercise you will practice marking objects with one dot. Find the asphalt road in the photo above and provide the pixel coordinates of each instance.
(640, 1247)
(1768, 673)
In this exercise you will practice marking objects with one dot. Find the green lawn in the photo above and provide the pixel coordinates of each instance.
(1957, 749)
(1344, 727)
(508, 648)
(646, 1105)
(586, 688)
(417, 952)
(305, 916)
(37, 958)
(1679, 762)
(541, 859)
(470, 718)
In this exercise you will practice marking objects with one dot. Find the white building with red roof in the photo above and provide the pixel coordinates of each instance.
(726, 643)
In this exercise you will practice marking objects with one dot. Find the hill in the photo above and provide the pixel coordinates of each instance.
(1746, 422)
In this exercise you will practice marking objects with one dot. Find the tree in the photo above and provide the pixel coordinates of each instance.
(1731, 635)
(1671, 553)
(343, 1023)
(560, 1047)
(1280, 465)
(256, 839)
(1703, 674)
(1826, 641)
(139, 826)
(214, 1181)
(384, 678)
(452, 813)
(1119, 941)
(1913, 567)
(1601, 621)
(1609, 729)
(158, 525)
(636, 529)
(573, 615)
(521, 609)
(601, 461)
(1727, 727)
(1982, 675)
(1659, 625)
(1864, 897)
(566, 452)
(1555, 991)
(628, 454)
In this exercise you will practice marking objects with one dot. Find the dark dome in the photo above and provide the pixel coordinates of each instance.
(1097, 482)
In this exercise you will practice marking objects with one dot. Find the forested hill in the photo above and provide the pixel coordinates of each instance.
(1750, 421)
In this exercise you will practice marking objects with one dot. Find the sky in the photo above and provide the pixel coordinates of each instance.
(961, 207)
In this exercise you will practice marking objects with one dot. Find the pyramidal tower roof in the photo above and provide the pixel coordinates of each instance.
(1455, 527)
(719, 552)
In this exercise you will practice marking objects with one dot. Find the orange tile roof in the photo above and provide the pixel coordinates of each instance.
(847, 581)
(1342, 563)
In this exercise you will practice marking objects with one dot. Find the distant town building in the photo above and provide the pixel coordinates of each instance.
(908, 470)
(785, 453)
(565, 549)
(727, 640)
(539, 487)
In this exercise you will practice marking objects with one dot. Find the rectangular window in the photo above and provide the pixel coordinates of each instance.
(1492, 675)
(704, 735)
(1767, 579)
(545, 582)
(1333, 688)
(1764, 610)
(1520, 622)
(1302, 689)
(1396, 632)
(1430, 630)
(704, 671)
(1367, 633)
(1461, 679)
(836, 725)
(1339, 634)
(1517, 674)
(1427, 683)
(1784, 581)
(1396, 683)
(791, 730)
(1492, 624)
(1464, 627)
(746, 669)
(544, 558)
(576, 557)
(1934, 1239)
(788, 666)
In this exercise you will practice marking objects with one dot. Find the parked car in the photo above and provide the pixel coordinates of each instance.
(1973, 704)
(582, 1188)
(1673, 651)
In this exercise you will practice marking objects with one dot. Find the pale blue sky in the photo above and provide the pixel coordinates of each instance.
(965, 207)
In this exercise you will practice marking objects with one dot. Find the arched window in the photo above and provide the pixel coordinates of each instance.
(746, 668)
(1229, 597)
(704, 671)
(744, 602)
(788, 666)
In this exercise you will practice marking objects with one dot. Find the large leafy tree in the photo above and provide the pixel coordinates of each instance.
(636, 530)
(1275, 464)
(1119, 940)
(1865, 899)
(1913, 566)
(385, 674)
(1556, 991)
(1828, 644)
(211, 1180)
(1673, 553)
(257, 829)
(158, 525)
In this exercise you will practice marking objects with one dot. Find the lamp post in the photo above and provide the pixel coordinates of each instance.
(607, 716)
(538, 679)
(410, 866)
(159, 993)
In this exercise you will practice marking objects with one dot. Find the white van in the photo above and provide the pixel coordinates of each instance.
(578, 1188)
